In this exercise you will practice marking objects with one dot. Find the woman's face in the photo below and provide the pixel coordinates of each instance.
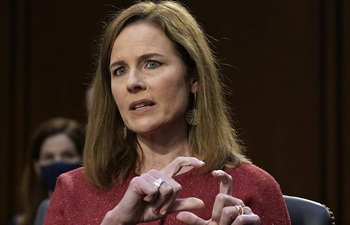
(148, 80)
(58, 148)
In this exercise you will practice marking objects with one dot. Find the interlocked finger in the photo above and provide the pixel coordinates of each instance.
(166, 188)
(157, 183)
(175, 166)
(226, 181)
(240, 209)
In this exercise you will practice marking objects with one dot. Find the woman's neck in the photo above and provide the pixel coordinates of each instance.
(159, 152)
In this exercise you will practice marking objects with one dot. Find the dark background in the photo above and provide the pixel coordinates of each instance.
(287, 64)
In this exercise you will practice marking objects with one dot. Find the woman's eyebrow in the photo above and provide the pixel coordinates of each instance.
(117, 63)
(149, 55)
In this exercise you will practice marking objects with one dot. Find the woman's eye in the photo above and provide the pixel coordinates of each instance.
(152, 64)
(47, 157)
(119, 71)
(69, 155)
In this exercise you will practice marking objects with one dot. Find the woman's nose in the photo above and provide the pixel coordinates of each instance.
(58, 158)
(136, 81)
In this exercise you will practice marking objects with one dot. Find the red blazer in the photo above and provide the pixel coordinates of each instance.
(75, 201)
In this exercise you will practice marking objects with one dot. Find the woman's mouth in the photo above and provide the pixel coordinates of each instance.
(140, 105)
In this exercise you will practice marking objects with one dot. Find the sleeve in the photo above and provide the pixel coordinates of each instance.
(40, 215)
(267, 201)
(56, 211)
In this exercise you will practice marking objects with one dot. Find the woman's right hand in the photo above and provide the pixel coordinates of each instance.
(146, 201)
(227, 210)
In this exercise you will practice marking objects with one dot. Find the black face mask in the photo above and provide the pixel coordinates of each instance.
(50, 173)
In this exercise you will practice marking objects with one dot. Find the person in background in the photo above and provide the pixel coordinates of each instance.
(160, 148)
(56, 147)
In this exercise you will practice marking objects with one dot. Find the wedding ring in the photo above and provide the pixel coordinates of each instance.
(240, 209)
(157, 183)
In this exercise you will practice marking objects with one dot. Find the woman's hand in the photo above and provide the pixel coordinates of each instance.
(153, 195)
(227, 209)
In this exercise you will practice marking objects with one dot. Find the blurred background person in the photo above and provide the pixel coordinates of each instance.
(56, 147)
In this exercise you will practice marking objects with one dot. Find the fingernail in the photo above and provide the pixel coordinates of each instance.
(164, 212)
(216, 172)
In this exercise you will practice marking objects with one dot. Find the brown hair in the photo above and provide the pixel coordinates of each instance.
(33, 191)
(108, 157)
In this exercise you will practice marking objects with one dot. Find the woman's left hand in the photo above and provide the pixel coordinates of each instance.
(227, 209)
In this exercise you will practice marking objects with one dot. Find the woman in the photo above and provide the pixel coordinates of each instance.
(160, 148)
(56, 147)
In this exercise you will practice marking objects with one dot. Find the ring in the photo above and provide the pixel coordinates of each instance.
(240, 209)
(157, 183)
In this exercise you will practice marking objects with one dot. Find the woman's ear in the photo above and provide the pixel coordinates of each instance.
(194, 84)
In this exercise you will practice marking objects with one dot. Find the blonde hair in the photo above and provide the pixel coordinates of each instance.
(109, 157)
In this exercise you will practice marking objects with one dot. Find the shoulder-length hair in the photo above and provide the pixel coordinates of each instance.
(110, 155)
(32, 189)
